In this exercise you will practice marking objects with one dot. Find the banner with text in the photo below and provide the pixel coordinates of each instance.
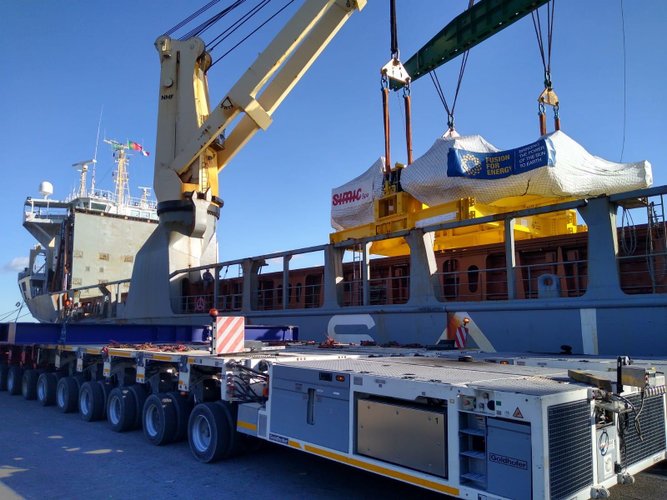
(462, 163)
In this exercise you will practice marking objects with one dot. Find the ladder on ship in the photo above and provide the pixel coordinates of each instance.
(656, 241)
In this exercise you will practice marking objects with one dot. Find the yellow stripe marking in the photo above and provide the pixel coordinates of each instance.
(294, 444)
(92, 351)
(120, 354)
(161, 357)
(382, 470)
(246, 425)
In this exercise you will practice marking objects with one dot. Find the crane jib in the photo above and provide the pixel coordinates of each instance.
(469, 28)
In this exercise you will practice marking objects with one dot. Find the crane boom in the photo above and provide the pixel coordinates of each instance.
(190, 155)
(473, 26)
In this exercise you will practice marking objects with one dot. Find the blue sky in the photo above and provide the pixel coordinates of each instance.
(62, 62)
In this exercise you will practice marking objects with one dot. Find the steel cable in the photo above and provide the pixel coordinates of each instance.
(252, 33)
(192, 16)
(236, 25)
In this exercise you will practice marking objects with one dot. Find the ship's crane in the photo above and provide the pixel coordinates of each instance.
(189, 149)
(190, 153)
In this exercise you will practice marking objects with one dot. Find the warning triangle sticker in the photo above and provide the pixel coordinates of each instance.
(517, 413)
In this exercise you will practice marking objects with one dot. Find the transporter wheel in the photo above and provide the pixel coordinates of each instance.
(121, 409)
(159, 419)
(67, 395)
(210, 432)
(236, 443)
(106, 390)
(14, 380)
(4, 369)
(79, 379)
(29, 384)
(91, 401)
(46, 388)
(183, 407)
(140, 394)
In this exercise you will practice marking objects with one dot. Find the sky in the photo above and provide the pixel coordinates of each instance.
(62, 64)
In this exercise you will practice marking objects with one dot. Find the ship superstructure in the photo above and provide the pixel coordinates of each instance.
(89, 239)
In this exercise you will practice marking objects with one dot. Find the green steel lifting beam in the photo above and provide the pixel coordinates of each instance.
(473, 26)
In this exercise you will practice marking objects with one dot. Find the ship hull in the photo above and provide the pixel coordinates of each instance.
(633, 328)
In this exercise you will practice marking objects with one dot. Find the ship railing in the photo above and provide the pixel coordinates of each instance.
(534, 281)
(107, 196)
(643, 273)
(298, 296)
(101, 301)
(232, 302)
(53, 209)
(197, 303)
(381, 291)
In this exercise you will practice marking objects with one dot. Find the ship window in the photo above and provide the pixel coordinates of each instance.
(135, 213)
(101, 269)
(473, 278)
(128, 258)
(88, 268)
(76, 281)
(78, 253)
(103, 256)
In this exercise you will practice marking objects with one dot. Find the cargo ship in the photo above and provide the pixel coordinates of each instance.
(418, 261)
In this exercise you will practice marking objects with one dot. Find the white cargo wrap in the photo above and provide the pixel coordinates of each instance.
(554, 166)
(352, 203)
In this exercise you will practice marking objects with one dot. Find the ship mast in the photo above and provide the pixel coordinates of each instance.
(122, 178)
(122, 186)
(83, 165)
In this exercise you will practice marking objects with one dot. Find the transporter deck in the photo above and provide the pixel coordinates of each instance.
(467, 424)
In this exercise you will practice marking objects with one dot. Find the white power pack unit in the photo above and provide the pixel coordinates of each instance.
(467, 429)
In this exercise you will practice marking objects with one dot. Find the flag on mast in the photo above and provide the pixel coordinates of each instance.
(137, 147)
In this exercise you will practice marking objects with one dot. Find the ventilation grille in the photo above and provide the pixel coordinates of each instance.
(652, 424)
(570, 452)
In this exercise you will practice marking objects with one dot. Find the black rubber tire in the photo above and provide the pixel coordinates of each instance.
(121, 409)
(46, 388)
(29, 384)
(236, 442)
(67, 395)
(4, 369)
(159, 419)
(183, 407)
(210, 432)
(79, 378)
(106, 390)
(91, 401)
(140, 394)
(14, 380)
